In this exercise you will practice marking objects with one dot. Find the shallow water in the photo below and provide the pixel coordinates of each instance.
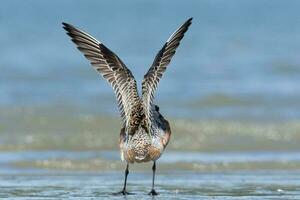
(58, 179)
(175, 185)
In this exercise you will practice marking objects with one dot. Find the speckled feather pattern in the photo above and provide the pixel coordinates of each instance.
(145, 132)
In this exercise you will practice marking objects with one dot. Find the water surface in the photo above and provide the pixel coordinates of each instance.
(82, 175)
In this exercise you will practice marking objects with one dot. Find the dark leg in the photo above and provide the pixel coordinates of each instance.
(153, 192)
(123, 191)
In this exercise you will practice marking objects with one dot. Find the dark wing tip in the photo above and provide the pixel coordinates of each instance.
(188, 22)
(67, 27)
(67, 24)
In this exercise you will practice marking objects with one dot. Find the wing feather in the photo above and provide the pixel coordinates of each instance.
(159, 66)
(110, 66)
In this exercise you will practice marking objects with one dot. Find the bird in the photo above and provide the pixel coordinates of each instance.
(145, 132)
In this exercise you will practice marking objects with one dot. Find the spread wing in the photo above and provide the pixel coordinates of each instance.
(158, 67)
(110, 66)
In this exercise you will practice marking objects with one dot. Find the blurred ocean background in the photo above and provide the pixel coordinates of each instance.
(231, 94)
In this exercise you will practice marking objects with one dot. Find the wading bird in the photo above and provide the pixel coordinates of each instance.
(145, 133)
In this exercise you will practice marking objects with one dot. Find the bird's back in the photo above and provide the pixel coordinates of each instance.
(142, 145)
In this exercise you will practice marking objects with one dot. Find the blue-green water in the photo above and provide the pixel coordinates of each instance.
(231, 94)
(238, 60)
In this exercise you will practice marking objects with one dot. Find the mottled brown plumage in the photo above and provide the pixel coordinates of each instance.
(145, 133)
(143, 141)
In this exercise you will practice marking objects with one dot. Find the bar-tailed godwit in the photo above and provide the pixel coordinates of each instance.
(145, 133)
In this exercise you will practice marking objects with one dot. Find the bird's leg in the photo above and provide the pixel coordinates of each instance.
(123, 191)
(153, 192)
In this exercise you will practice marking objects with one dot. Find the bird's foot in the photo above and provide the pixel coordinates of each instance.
(153, 193)
(123, 192)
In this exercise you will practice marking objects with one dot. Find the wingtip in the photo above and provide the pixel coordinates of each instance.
(67, 26)
(189, 21)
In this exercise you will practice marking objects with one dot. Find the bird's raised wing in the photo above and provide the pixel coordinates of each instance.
(110, 66)
(158, 67)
